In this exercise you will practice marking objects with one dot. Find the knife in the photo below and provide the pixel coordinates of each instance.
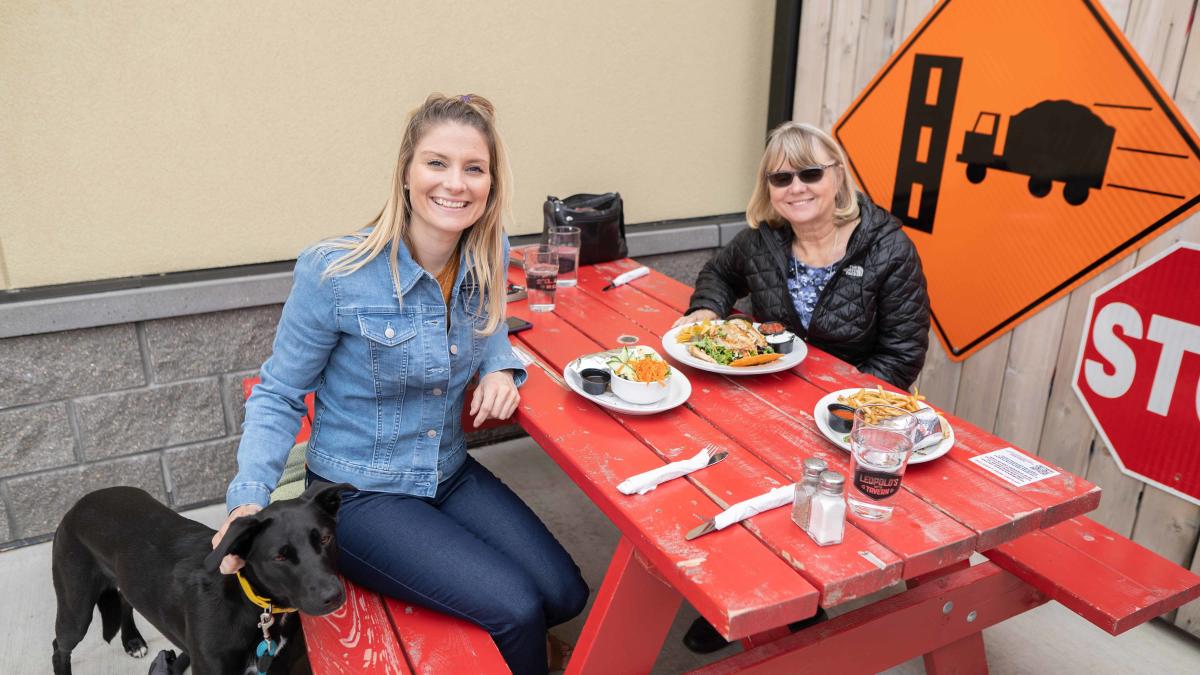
(701, 529)
(769, 500)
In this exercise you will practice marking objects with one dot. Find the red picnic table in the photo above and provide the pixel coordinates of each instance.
(751, 580)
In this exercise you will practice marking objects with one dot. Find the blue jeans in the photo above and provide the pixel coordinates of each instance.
(474, 551)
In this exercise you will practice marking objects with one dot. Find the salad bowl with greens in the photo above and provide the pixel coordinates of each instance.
(640, 375)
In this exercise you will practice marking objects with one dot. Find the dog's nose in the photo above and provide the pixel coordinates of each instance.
(333, 598)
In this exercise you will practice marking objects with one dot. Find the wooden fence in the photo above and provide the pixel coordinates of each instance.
(1019, 386)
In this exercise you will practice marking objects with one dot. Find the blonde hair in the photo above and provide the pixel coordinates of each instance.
(484, 241)
(796, 143)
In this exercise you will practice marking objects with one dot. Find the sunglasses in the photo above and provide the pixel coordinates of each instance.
(812, 174)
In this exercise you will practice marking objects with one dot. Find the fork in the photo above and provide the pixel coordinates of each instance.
(715, 454)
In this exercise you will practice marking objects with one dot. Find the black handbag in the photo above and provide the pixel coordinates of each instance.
(601, 223)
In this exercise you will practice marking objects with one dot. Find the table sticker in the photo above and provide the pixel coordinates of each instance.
(1013, 466)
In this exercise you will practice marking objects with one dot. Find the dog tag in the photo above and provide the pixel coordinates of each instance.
(265, 654)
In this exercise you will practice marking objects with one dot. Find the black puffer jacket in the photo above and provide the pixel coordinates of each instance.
(873, 313)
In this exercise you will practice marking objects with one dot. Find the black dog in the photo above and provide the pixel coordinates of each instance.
(120, 549)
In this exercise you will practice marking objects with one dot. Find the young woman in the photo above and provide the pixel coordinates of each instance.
(389, 325)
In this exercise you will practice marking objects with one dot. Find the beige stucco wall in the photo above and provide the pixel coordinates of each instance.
(154, 136)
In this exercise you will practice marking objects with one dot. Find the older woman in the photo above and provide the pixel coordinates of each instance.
(822, 259)
(388, 325)
(825, 261)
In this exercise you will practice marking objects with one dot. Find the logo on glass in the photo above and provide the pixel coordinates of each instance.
(876, 484)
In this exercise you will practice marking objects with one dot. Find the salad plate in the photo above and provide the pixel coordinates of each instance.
(679, 352)
(678, 387)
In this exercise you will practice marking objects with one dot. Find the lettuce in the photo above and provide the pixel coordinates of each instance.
(724, 355)
(720, 354)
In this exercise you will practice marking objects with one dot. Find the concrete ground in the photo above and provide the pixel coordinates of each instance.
(1050, 639)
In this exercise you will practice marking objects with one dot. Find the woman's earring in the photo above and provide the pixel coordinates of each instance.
(406, 186)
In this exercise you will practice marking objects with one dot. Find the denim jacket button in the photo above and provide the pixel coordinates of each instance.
(453, 349)
(389, 333)
(437, 391)
(431, 433)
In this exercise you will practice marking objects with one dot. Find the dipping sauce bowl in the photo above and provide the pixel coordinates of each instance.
(782, 342)
(595, 380)
(771, 328)
(841, 417)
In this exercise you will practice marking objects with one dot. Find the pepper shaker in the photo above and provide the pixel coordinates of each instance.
(805, 489)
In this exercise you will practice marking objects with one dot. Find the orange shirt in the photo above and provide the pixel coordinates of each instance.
(445, 278)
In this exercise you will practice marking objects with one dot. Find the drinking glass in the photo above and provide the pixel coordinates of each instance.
(565, 239)
(541, 273)
(881, 442)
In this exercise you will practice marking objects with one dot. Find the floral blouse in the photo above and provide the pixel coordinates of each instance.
(805, 284)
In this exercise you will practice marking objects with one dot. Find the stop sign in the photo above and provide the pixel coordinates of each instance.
(1138, 373)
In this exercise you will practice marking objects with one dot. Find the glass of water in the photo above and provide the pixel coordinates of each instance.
(541, 273)
(881, 443)
(565, 239)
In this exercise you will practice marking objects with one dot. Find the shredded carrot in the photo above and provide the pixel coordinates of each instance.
(649, 370)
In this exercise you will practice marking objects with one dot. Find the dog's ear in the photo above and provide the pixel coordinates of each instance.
(328, 496)
(237, 540)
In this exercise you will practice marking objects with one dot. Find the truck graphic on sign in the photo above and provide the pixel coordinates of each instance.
(1051, 141)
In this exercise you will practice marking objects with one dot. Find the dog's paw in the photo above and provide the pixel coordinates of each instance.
(136, 647)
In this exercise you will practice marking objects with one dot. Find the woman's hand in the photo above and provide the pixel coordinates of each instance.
(233, 563)
(496, 397)
(698, 315)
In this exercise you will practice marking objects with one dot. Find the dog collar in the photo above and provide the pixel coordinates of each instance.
(259, 600)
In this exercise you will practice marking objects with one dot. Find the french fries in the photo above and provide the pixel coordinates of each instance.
(877, 396)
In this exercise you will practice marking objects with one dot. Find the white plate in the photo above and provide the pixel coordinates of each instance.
(680, 353)
(678, 388)
(821, 415)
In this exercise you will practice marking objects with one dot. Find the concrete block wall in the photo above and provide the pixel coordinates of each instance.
(154, 404)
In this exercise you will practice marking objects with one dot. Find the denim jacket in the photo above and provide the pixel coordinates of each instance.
(390, 380)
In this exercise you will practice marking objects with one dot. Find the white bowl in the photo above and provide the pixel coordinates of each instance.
(640, 392)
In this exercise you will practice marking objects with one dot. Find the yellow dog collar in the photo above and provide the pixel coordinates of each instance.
(259, 600)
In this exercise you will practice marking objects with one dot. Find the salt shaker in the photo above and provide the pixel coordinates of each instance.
(805, 489)
(827, 524)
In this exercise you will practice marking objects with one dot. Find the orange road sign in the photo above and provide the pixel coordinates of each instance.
(1026, 147)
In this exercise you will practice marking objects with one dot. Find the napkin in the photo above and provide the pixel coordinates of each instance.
(929, 429)
(755, 505)
(645, 482)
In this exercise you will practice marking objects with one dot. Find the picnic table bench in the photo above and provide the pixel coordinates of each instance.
(373, 634)
(752, 579)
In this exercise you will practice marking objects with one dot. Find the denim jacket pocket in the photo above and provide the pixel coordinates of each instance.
(388, 336)
(388, 329)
